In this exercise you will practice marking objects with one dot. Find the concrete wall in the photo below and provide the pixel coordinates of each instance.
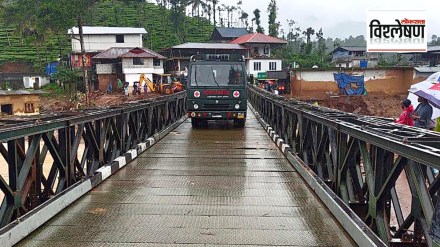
(102, 69)
(104, 79)
(96, 43)
(29, 81)
(18, 103)
(316, 83)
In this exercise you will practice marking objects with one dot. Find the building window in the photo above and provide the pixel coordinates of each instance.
(7, 109)
(138, 61)
(272, 65)
(119, 38)
(156, 62)
(29, 108)
(256, 50)
(266, 50)
(257, 66)
(347, 65)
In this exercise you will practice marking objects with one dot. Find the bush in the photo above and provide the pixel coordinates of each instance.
(53, 90)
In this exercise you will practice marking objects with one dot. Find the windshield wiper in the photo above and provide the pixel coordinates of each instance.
(195, 77)
(213, 75)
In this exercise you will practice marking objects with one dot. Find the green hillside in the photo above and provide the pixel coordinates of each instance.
(155, 19)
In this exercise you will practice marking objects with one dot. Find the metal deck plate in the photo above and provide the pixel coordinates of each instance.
(199, 187)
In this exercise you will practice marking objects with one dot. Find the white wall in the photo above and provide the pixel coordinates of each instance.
(264, 65)
(132, 75)
(260, 49)
(28, 82)
(95, 43)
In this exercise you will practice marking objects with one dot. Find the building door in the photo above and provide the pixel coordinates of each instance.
(7, 109)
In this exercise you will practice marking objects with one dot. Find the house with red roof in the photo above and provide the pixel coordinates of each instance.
(259, 47)
(126, 64)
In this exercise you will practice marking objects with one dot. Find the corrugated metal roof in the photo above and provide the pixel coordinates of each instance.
(216, 46)
(427, 69)
(433, 48)
(108, 30)
(353, 48)
(112, 53)
(258, 38)
(231, 32)
(20, 92)
(119, 52)
(143, 53)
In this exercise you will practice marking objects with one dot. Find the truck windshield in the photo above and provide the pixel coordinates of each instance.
(209, 75)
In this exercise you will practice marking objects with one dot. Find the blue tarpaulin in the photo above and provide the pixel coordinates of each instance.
(350, 84)
(51, 68)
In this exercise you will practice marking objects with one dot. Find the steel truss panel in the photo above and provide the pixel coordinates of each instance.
(366, 161)
(103, 135)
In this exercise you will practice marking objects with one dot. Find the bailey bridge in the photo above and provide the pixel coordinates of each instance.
(139, 175)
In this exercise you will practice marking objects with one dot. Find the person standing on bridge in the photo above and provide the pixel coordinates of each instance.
(406, 116)
(423, 113)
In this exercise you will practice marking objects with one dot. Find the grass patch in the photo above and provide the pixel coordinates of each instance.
(53, 90)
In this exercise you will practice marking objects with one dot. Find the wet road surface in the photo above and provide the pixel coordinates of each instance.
(199, 187)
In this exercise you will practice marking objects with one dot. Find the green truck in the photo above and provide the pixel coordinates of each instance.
(216, 89)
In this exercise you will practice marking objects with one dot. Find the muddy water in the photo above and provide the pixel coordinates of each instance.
(47, 164)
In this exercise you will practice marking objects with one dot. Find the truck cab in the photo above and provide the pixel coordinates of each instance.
(217, 89)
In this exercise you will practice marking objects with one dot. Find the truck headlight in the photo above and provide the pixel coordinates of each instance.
(237, 106)
(196, 106)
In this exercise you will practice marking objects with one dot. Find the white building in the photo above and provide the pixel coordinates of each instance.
(97, 39)
(141, 61)
(259, 52)
(354, 57)
(126, 64)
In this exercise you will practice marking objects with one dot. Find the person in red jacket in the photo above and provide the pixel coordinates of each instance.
(406, 116)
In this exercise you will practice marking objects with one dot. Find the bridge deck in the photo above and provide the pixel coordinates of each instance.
(199, 187)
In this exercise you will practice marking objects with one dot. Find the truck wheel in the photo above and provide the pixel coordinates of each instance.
(239, 123)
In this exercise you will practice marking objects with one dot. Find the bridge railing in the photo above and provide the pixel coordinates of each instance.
(41, 159)
(385, 172)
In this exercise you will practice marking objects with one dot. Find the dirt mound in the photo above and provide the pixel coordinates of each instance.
(97, 99)
(381, 105)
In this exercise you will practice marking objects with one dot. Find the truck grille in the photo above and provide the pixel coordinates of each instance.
(216, 106)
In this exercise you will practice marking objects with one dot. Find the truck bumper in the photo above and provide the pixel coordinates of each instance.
(217, 115)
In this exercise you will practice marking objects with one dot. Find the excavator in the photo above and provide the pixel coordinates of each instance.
(145, 79)
(164, 84)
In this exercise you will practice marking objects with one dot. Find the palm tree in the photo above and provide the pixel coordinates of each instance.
(244, 19)
(196, 4)
(220, 9)
(214, 3)
(308, 33)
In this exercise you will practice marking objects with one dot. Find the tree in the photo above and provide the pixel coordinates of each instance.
(214, 4)
(80, 11)
(308, 33)
(435, 40)
(178, 18)
(68, 78)
(230, 11)
(258, 21)
(273, 24)
(321, 46)
(244, 19)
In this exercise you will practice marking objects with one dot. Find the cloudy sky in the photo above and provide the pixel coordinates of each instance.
(340, 18)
